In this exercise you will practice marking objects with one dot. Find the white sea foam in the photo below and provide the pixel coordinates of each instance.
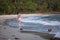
(52, 23)
(57, 34)
(41, 21)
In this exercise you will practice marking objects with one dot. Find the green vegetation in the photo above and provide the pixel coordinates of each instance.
(14, 6)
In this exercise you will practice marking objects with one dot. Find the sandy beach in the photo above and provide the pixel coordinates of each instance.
(8, 33)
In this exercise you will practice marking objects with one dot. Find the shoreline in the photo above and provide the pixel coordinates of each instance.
(15, 16)
(8, 32)
(23, 15)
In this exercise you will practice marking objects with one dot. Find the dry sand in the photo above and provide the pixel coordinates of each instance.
(8, 33)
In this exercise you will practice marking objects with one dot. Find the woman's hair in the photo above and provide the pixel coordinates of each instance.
(17, 12)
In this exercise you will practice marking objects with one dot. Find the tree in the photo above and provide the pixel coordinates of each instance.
(3, 4)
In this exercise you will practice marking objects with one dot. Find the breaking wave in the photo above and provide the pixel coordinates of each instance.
(52, 20)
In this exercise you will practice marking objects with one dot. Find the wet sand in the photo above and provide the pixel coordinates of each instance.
(8, 33)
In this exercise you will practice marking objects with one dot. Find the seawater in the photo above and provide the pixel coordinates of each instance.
(38, 23)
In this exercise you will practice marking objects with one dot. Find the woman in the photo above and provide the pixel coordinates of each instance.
(19, 21)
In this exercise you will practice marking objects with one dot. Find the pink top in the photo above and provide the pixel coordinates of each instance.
(19, 16)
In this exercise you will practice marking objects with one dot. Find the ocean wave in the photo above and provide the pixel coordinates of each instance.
(53, 20)
(52, 23)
